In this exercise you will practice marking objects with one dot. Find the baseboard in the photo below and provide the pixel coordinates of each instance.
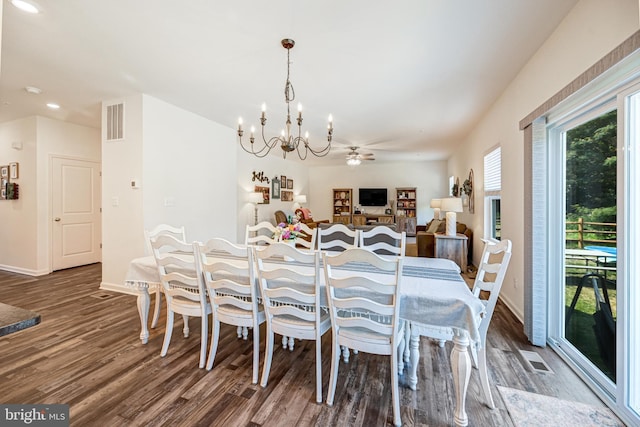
(26, 271)
(118, 288)
(519, 315)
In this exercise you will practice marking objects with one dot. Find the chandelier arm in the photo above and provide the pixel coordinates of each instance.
(264, 150)
(297, 141)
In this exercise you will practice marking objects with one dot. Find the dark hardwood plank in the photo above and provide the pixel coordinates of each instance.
(86, 353)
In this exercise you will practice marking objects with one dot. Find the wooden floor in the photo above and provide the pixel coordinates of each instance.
(86, 353)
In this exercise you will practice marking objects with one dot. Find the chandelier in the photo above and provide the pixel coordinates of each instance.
(288, 142)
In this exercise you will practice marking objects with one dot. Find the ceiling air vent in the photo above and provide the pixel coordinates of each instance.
(115, 122)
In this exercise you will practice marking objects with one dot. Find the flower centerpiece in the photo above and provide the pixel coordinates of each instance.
(287, 231)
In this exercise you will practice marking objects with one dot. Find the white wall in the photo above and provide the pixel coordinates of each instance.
(27, 220)
(190, 162)
(272, 165)
(429, 178)
(186, 169)
(591, 30)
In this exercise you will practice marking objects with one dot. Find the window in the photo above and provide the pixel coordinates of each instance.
(492, 186)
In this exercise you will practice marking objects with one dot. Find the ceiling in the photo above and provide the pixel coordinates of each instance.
(406, 80)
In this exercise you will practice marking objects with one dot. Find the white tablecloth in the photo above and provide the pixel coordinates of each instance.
(432, 293)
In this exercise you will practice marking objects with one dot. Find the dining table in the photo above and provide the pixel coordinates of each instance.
(435, 302)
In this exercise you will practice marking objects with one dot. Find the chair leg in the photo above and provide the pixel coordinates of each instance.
(400, 355)
(167, 333)
(268, 353)
(407, 339)
(284, 342)
(318, 368)
(256, 353)
(345, 353)
(215, 336)
(474, 355)
(484, 378)
(156, 310)
(394, 388)
(333, 377)
(185, 327)
(204, 335)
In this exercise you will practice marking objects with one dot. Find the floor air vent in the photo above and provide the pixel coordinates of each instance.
(535, 361)
(101, 295)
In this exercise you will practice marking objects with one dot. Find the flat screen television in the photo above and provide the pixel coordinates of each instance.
(372, 196)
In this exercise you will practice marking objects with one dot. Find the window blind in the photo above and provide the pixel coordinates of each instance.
(492, 173)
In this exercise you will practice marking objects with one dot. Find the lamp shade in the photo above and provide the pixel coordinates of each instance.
(451, 204)
(436, 203)
(300, 198)
(255, 198)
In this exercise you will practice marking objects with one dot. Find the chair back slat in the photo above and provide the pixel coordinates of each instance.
(337, 237)
(226, 282)
(307, 233)
(490, 276)
(383, 240)
(288, 285)
(263, 233)
(166, 229)
(374, 298)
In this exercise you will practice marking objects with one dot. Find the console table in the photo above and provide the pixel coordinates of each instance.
(453, 248)
(362, 219)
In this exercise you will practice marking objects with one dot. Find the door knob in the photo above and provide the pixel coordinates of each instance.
(57, 219)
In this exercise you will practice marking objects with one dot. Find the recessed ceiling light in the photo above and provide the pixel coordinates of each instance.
(53, 106)
(34, 90)
(25, 6)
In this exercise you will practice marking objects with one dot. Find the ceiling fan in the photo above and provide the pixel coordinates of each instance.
(354, 158)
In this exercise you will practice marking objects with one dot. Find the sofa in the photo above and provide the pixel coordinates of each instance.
(425, 240)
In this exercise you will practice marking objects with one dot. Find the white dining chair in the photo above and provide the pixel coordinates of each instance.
(489, 278)
(312, 234)
(263, 233)
(231, 293)
(166, 229)
(337, 237)
(291, 300)
(383, 240)
(365, 313)
(183, 285)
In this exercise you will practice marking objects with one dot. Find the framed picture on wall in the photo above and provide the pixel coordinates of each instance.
(265, 194)
(275, 187)
(4, 172)
(283, 181)
(286, 196)
(289, 184)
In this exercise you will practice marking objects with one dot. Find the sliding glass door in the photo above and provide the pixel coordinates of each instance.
(590, 252)
(593, 193)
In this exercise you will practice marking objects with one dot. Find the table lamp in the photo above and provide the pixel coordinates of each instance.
(299, 200)
(255, 198)
(451, 205)
(435, 204)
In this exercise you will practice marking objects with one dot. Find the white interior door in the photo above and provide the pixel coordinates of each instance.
(76, 222)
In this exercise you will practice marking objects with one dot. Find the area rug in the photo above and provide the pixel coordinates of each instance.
(13, 319)
(531, 409)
